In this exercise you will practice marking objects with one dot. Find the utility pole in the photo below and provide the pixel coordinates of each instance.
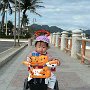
(6, 21)
(15, 26)
(19, 23)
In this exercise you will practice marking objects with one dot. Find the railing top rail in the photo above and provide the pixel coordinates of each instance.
(80, 39)
(59, 37)
(87, 40)
(68, 37)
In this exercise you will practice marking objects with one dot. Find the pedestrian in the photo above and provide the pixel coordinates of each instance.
(41, 47)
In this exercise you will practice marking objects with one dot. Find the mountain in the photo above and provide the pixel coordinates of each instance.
(55, 29)
(87, 32)
(51, 29)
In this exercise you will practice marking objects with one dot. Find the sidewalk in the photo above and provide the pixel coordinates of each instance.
(87, 53)
(71, 75)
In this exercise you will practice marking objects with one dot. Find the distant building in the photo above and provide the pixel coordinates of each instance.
(83, 35)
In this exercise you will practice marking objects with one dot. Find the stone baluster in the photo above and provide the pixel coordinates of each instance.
(57, 38)
(53, 38)
(76, 44)
(63, 39)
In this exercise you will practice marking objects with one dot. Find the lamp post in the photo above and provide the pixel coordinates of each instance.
(19, 24)
(6, 21)
(15, 26)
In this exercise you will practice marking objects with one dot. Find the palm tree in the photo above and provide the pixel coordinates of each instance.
(31, 5)
(0, 24)
(24, 20)
(28, 5)
(0, 28)
(5, 4)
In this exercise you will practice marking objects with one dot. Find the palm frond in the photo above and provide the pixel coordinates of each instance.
(36, 1)
(1, 6)
(33, 11)
(10, 9)
(38, 6)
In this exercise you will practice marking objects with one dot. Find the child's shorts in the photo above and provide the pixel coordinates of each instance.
(51, 81)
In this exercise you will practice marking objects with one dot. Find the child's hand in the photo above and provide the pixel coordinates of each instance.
(58, 61)
(28, 59)
(26, 63)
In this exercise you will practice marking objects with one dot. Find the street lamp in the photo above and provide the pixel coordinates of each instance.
(6, 22)
(19, 23)
(15, 26)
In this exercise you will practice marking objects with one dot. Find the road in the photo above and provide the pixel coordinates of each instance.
(4, 45)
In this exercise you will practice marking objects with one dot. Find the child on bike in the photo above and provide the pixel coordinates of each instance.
(41, 47)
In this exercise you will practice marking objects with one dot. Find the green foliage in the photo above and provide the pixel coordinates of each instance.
(10, 25)
(27, 35)
(5, 4)
(24, 20)
(31, 5)
(69, 33)
(87, 35)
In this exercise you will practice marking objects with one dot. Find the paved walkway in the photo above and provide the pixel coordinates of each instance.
(71, 75)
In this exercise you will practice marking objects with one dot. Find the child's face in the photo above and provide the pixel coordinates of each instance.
(41, 47)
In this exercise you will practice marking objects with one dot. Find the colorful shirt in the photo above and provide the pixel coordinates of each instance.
(46, 53)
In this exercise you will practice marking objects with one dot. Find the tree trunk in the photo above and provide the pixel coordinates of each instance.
(2, 24)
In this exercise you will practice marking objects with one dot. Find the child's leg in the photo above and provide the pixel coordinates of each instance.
(50, 89)
(29, 78)
(52, 82)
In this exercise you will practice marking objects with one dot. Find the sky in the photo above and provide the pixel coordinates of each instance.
(65, 14)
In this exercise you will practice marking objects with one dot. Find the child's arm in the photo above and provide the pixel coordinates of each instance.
(52, 58)
(26, 63)
(28, 57)
(28, 60)
(58, 61)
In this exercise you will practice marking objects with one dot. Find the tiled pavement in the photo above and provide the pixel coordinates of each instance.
(71, 75)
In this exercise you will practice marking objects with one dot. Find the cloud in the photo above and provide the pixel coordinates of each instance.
(71, 13)
(65, 14)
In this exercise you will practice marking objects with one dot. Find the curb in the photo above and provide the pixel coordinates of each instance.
(14, 51)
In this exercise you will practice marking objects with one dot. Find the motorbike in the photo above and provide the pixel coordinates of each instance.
(39, 72)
